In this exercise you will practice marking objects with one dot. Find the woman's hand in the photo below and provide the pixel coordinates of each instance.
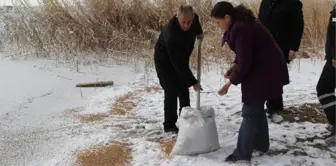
(291, 55)
(226, 75)
(229, 73)
(225, 88)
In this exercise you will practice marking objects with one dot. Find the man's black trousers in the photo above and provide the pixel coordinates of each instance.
(174, 91)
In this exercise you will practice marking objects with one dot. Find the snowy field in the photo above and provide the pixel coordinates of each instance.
(42, 116)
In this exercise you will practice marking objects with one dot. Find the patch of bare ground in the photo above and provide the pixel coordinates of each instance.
(299, 148)
(92, 117)
(75, 109)
(311, 112)
(308, 112)
(167, 146)
(115, 154)
(294, 150)
(125, 104)
(276, 152)
(88, 118)
(311, 140)
(153, 88)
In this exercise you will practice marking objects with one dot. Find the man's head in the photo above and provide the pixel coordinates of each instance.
(185, 16)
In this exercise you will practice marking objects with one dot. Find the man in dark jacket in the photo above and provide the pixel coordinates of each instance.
(284, 19)
(326, 84)
(171, 57)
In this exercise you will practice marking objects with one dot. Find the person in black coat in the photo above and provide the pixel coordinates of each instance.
(172, 52)
(284, 19)
(326, 85)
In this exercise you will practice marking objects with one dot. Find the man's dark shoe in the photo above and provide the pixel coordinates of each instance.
(331, 138)
(171, 130)
(271, 112)
(332, 132)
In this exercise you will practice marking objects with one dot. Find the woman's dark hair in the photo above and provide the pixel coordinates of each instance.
(237, 13)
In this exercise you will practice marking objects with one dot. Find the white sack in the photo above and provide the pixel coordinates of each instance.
(197, 132)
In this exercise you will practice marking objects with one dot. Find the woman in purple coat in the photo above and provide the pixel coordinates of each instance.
(260, 68)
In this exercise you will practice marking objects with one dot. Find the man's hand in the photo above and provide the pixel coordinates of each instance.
(197, 87)
(334, 63)
(225, 88)
(291, 55)
(200, 37)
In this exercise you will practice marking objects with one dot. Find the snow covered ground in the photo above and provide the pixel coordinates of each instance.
(40, 109)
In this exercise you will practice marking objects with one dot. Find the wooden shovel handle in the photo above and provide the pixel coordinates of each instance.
(198, 97)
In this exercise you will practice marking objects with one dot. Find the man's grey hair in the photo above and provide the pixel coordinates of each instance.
(183, 9)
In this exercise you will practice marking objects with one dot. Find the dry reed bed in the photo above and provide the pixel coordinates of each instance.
(120, 27)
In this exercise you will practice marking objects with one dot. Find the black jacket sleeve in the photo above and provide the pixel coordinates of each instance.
(175, 54)
(334, 51)
(199, 29)
(297, 24)
(332, 32)
(330, 45)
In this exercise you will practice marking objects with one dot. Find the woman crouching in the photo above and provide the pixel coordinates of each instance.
(259, 67)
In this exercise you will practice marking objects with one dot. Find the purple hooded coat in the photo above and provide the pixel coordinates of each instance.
(260, 64)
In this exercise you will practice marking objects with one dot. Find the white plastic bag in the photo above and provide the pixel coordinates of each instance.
(197, 132)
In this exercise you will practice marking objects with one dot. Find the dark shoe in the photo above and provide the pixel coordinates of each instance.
(270, 112)
(260, 151)
(257, 153)
(171, 130)
(331, 129)
(331, 141)
(275, 116)
(233, 159)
